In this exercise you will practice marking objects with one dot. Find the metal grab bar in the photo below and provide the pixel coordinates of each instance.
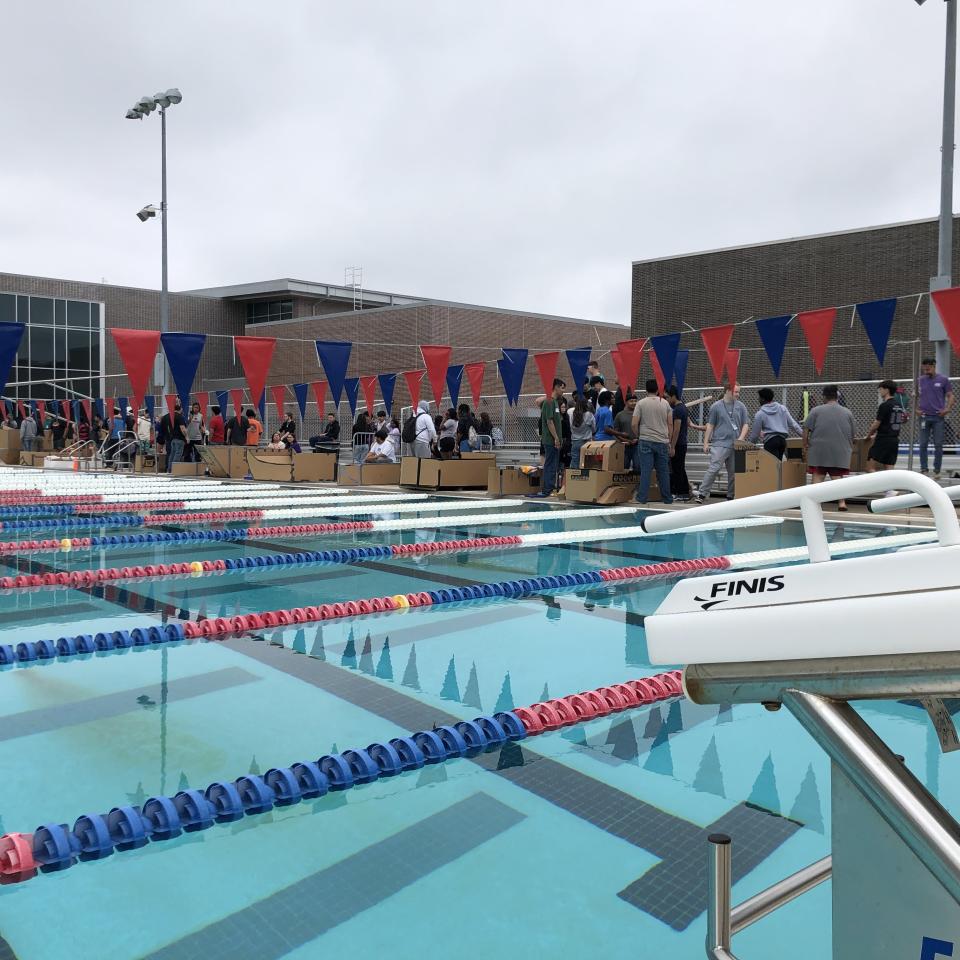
(724, 921)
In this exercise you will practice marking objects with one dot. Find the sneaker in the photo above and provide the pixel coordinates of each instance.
(698, 500)
(682, 499)
(936, 474)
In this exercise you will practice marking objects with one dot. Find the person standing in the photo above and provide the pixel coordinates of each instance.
(828, 436)
(216, 426)
(551, 436)
(236, 430)
(424, 432)
(195, 433)
(175, 432)
(885, 429)
(624, 430)
(679, 482)
(254, 429)
(582, 426)
(935, 403)
(603, 418)
(727, 423)
(773, 424)
(28, 432)
(653, 425)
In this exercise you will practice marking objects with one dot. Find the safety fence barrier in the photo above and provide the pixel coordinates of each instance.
(54, 847)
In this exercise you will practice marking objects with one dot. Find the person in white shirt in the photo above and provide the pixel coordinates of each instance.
(382, 449)
(426, 432)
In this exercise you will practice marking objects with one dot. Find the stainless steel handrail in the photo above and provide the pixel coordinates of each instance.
(724, 921)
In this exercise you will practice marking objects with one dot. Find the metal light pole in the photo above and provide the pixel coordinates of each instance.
(143, 107)
(944, 277)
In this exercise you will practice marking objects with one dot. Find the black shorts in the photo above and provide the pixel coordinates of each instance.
(885, 450)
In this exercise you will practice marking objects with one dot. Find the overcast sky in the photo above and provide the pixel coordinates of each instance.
(511, 153)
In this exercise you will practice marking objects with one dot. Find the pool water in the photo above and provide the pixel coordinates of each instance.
(588, 841)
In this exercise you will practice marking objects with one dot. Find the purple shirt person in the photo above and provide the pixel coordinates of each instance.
(935, 400)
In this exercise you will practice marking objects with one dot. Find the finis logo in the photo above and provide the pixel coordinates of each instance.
(728, 589)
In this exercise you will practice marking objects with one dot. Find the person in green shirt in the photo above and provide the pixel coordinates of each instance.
(551, 435)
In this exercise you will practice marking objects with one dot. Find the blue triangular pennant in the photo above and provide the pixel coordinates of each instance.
(577, 361)
(680, 369)
(454, 379)
(183, 352)
(334, 355)
(665, 347)
(877, 319)
(300, 392)
(150, 404)
(387, 383)
(223, 402)
(350, 386)
(10, 336)
(512, 366)
(773, 333)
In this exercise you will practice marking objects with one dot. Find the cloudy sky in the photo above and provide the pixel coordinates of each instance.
(512, 153)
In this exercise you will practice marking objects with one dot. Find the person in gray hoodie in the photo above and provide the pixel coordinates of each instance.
(773, 424)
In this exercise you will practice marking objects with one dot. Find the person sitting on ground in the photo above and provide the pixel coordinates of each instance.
(276, 442)
(254, 429)
(603, 418)
(381, 450)
(828, 435)
(773, 424)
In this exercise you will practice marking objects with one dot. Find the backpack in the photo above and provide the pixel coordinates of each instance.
(409, 432)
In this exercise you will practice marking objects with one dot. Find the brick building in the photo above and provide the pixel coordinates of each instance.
(784, 277)
(67, 351)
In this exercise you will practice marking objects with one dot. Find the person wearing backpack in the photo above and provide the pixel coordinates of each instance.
(419, 431)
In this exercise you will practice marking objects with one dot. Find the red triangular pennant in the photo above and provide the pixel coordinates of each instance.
(475, 373)
(630, 353)
(236, 395)
(87, 409)
(436, 359)
(657, 372)
(66, 410)
(414, 378)
(547, 365)
(320, 395)
(279, 399)
(138, 349)
(369, 387)
(817, 325)
(255, 354)
(716, 340)
(42, 407)
(171, 399)
(731, 363)
(947, 303)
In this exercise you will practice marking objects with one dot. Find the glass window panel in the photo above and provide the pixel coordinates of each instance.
(82, 387)
(8, 308)
(78, 314)
(60, 348)
(41, 346)
(95, 351)
(23, 309)
(41, 391)
(60, 312)
(41, 311)
(95, 315)
(78, 350)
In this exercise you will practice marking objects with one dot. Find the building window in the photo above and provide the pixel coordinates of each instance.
(265, 311)
(59, 356)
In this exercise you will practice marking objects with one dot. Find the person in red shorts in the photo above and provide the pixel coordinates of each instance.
(828, 435)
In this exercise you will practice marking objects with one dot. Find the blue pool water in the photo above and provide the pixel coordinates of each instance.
(589, 841)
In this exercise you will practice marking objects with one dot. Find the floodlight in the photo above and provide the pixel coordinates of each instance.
(146, 105)
(134, 114)
(173, 95)
(147, 212)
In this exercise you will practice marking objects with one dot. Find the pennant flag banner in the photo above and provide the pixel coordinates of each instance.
(388, 382)
(221, 403)
(183, 352)
(150, 403)
(817, 325)
(65, 409)
(10, 336)
(631, 357)
(731, 363)
(137, 349)
(657, 372)
(773, 333)
(236, 395)
(320, 395)
(171, 399)
(300, 392)
(350, 385)
(947, 303)
(279, 399)
(680, 370)
(475, 373)
(334, 356)
(414, 378)
(547, 365)
(577, 360)
(665, 347)
(716, 340)
(877, 319)
(255, 354)
(618, 366)
(454, 380)
(98, 406)
(369, 387)
(42, 409)
(203, 398)
(512, 366)
(436, 359)
(262, 407)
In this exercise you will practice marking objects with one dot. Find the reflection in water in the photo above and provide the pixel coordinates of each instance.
(623, 738)
(366, 656)
(806, 808)
(764, 793)
(660, 759)
(411, 676)
(709, 778)
(450, 689)
(471, 696)
(384, 664)
(505, 699)
(317, 651)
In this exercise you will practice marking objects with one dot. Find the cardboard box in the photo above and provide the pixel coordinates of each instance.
(369, 474)
(470, 472)
(10, 446)
(225, 460)
(314, 467)
(189, 469)
(149, 463)
(859, 457)
(32, 458)
(605, 455)
(512, 482)
(604, 486)
(793, 473)
(276, 467)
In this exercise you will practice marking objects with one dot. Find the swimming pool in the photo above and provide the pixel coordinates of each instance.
(589, 840)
